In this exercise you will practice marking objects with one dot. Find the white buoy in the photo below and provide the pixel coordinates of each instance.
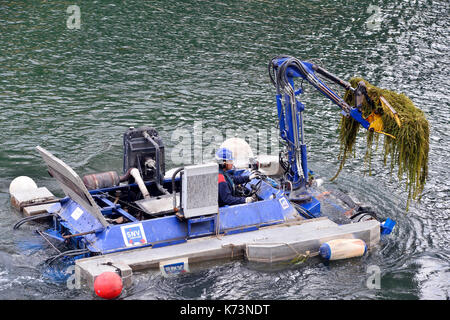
(269, 165)
(342, 249)
(242, 152)
(27, 196)
(169, 173)
(21, 184)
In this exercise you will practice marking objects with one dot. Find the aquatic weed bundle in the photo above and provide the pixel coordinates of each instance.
(408, 151)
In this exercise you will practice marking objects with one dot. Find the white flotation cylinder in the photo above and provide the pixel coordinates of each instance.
(342, 249)
(21, 184)
(242, 152)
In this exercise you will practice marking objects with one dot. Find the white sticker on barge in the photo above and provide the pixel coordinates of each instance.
(76, 214)
(174, 267)
(284, 203)
(133, 235)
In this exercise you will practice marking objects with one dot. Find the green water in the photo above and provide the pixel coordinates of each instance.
(172, 64)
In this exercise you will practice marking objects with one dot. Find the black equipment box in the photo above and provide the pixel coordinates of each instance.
(147, 155)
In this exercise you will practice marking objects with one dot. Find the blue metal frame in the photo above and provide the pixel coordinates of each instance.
(274, 208)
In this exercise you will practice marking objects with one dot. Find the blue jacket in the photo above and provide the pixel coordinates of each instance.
(226, 189)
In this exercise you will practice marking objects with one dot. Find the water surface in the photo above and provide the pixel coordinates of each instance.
(169, 64)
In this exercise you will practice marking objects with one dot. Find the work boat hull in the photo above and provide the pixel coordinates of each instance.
(274, 243)
(269, 230)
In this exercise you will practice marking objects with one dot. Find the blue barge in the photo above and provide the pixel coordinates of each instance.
(147, 216)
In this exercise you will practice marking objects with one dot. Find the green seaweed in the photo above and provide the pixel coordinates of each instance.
(408, 151)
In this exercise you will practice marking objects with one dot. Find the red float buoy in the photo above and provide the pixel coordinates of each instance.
(108, 285)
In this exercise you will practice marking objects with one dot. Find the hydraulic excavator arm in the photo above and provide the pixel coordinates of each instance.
(282, 71)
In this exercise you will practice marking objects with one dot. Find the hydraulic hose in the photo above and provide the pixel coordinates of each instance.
(31, 218)
(173, 187)
(69, 253)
